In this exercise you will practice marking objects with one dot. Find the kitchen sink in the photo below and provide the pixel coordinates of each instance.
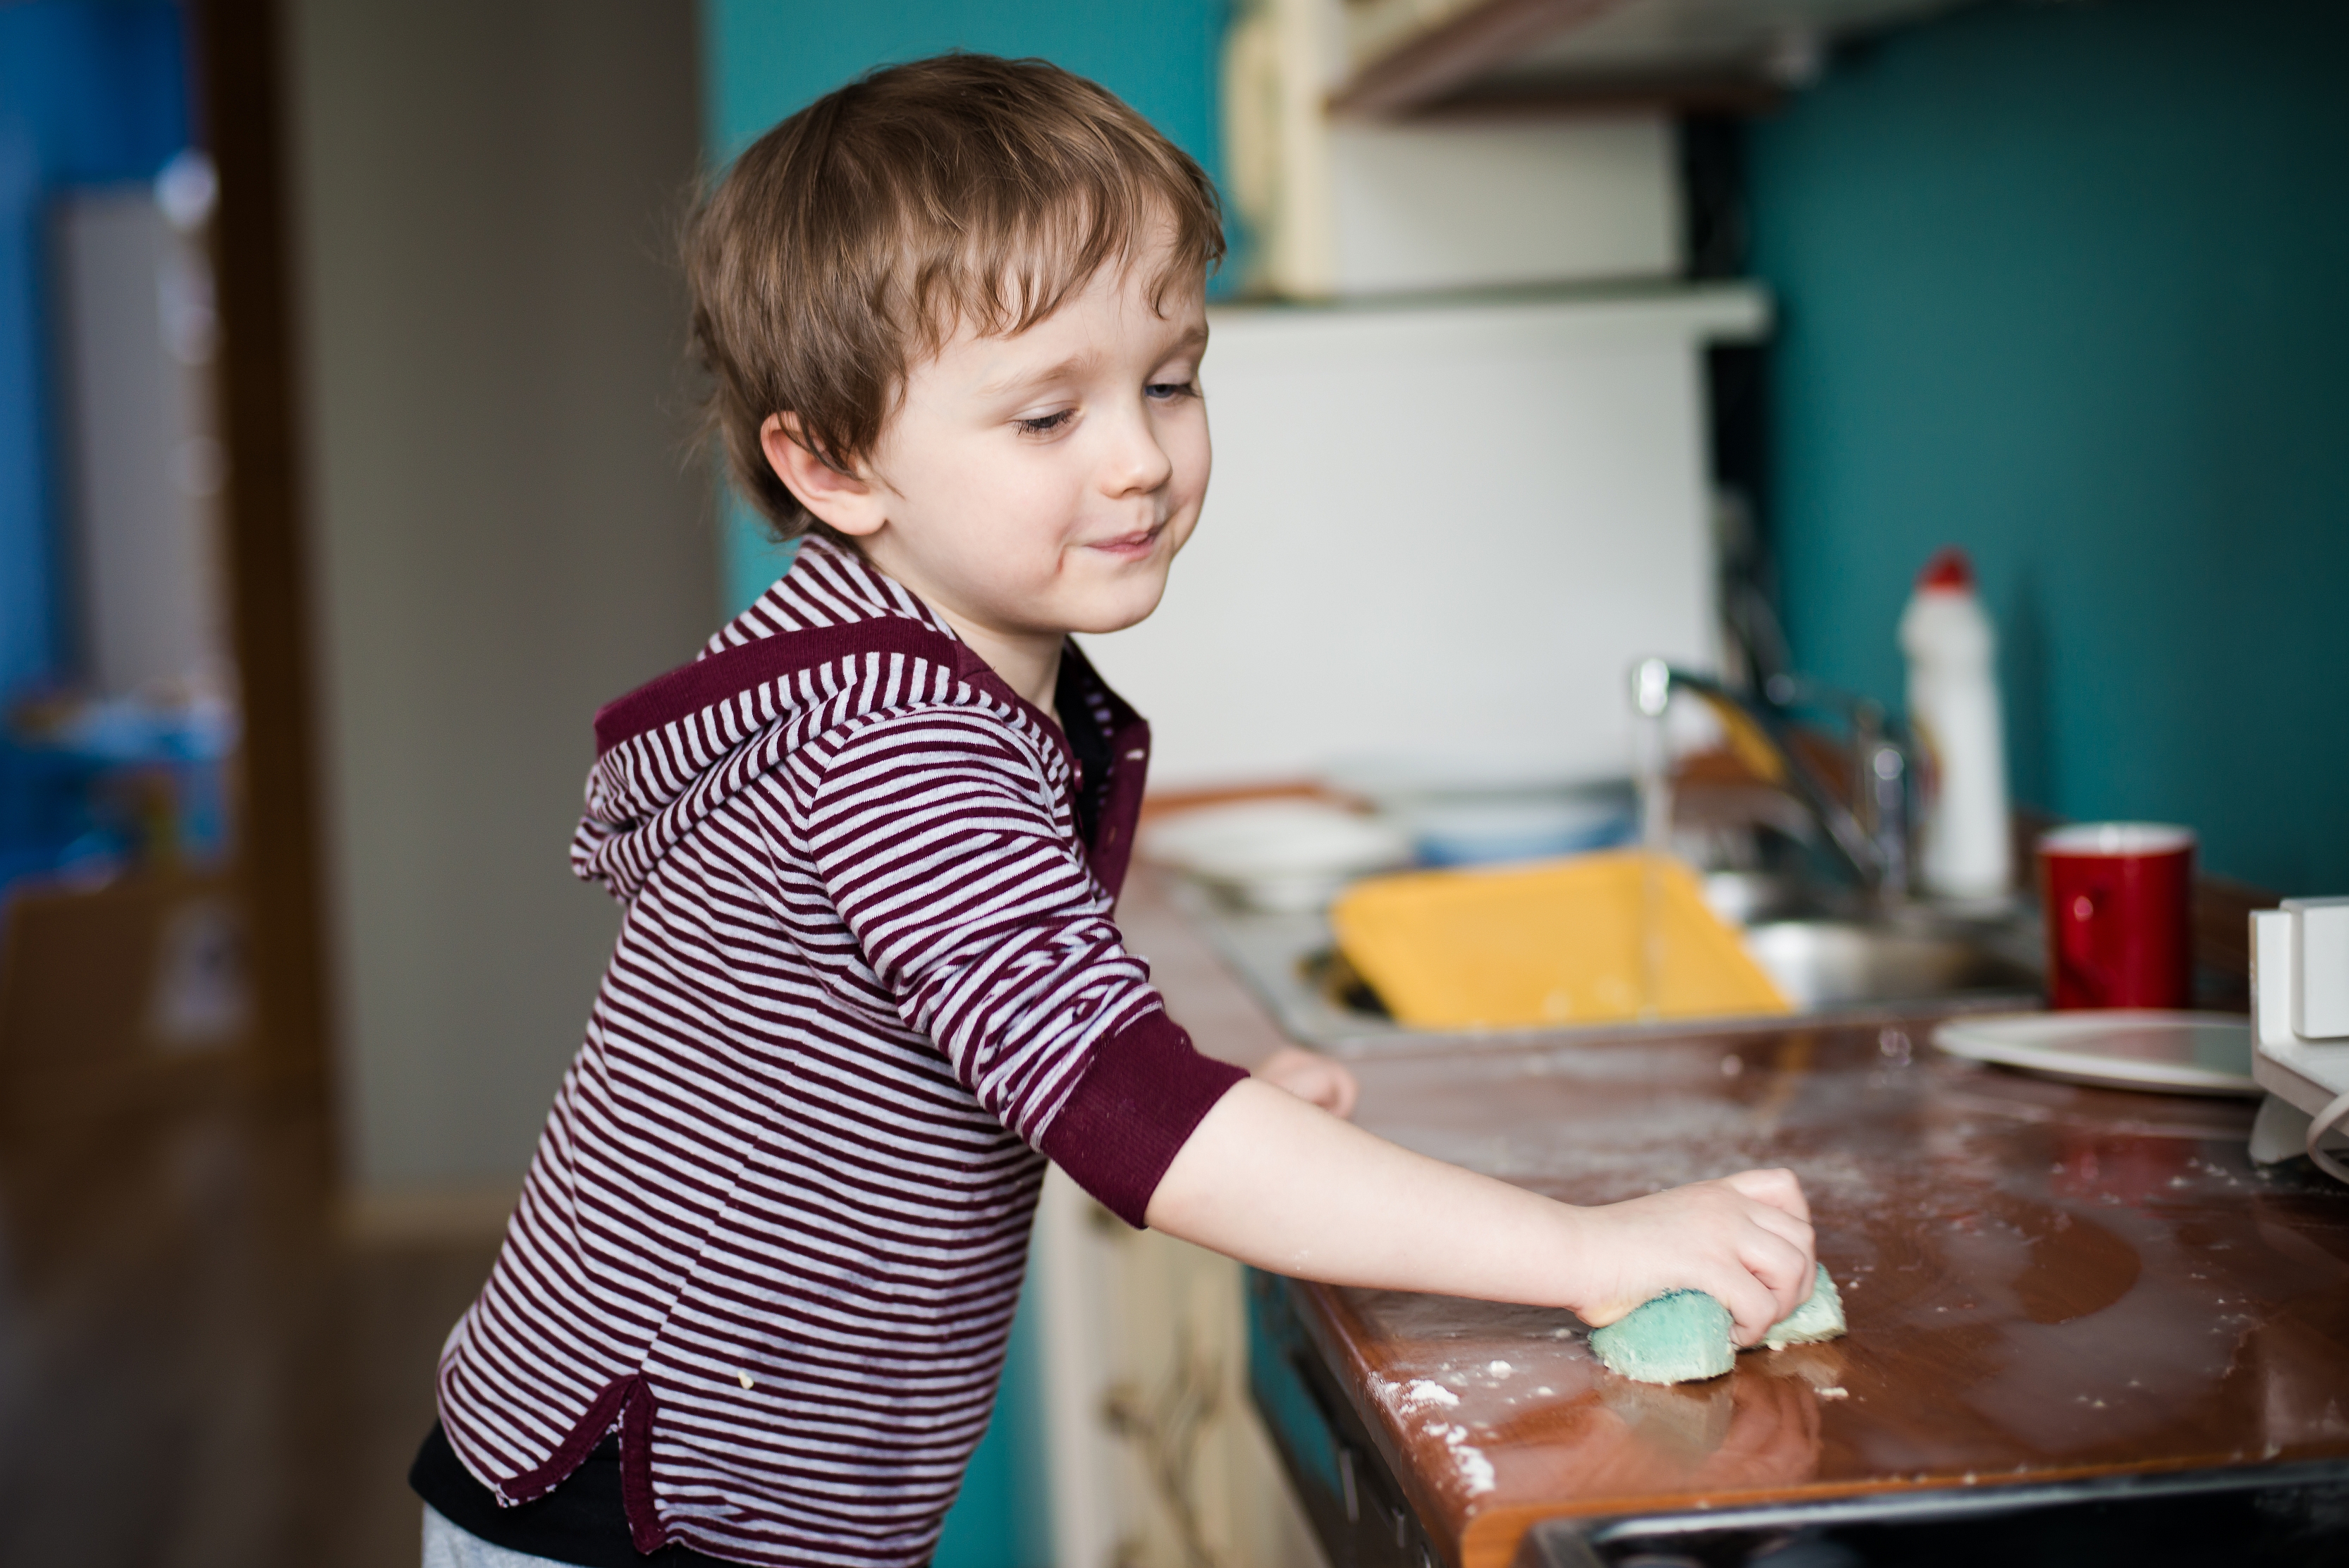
(1839, 963)
(1831, 966)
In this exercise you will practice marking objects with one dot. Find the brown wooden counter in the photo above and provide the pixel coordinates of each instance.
(2042, 1281)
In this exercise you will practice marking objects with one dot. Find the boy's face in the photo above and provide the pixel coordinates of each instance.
(1038, 485)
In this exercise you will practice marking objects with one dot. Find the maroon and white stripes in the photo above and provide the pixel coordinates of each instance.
(775, 1228)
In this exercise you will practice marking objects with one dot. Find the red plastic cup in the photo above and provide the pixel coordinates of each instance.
(2120, 898)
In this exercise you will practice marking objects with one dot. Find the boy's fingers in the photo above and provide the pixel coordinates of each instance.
(1289, 1070)
(1275, 1067)
(1314, 1079)
(1752, 1308)
(1778, 1188)
(1599, 1317)
(1782, 1268)
(1785, 1226)
(1344, 1091)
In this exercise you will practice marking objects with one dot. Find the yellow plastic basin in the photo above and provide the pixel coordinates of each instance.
(1596, 939)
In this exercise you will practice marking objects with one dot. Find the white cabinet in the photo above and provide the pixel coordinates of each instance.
(1157, 1457)
(1343, 208)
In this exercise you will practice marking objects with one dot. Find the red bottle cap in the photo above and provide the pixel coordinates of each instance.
(1948, 569)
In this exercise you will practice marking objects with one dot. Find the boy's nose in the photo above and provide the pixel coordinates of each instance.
(1137, 464)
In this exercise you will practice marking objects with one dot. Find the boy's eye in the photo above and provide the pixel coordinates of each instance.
(1168, 392)
(1045, 424)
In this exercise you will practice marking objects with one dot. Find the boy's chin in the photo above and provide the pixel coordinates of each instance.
(1115, 608)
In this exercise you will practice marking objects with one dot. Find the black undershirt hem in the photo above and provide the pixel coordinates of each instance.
(582, 1522)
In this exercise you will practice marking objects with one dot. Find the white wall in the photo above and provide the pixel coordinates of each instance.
(1441, 533)
(506, 534)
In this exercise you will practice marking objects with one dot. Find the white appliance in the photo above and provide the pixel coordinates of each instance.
(1444, 530)
(2300, 1027)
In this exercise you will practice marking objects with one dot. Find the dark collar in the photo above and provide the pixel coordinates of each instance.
(720, 678)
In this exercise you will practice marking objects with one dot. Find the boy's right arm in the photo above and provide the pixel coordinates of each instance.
(1274, 1181)
(1006, 960)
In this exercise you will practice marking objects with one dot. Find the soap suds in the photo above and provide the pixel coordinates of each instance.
(1419, 1392)
(1411, 1403)
(1475, 1470)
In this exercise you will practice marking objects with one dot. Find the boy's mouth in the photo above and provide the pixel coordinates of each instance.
(1131, 546)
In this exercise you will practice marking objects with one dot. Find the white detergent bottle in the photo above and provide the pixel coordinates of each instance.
(1953, 704)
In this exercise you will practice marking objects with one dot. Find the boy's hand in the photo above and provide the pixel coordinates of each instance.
(1745, 1240)
(1311, 1077)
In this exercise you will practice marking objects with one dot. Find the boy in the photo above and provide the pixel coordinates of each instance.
(752, 1305)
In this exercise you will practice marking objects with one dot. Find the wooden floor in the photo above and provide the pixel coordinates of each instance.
(198, 1366)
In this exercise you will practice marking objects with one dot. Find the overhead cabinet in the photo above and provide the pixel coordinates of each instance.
(1407, 57)
(1339, 208)
(1381, 147)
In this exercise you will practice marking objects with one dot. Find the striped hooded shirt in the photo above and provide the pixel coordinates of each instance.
(866, 983)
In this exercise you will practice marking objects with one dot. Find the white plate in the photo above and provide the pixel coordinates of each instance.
(2190, 1052)
(1285, 855)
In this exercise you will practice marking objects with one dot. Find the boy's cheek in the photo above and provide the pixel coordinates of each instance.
(1198, 454)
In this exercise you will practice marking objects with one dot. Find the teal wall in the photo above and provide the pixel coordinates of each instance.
(1003, 1518)
(764, 59)
(2069, 286)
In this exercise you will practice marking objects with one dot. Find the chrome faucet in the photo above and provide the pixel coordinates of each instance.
(1872, 835)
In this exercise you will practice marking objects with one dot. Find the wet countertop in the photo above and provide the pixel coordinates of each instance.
(2043, 1280)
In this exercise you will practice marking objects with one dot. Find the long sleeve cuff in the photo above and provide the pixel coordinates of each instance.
(1143, 1094)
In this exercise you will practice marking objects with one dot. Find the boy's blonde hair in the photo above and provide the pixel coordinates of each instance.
(852, 241)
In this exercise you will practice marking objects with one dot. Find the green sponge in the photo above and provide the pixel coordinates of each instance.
(1819, 1317)
(1677, 1338)
(1684, 1335)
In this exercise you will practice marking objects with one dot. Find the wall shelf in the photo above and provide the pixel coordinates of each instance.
(1464, 58)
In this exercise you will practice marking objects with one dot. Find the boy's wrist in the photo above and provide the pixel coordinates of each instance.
(1570, 1246)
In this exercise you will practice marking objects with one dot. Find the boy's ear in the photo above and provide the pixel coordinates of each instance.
(847, 501)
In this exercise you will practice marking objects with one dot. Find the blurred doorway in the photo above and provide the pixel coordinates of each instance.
(157, 868)
(201, 1366)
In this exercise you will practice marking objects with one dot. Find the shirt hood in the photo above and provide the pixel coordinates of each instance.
(831, 640)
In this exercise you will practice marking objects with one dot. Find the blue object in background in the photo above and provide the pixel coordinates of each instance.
(92, 92)
(49, 820)
(2063, 285)
(29, 634)
(764, 59)
(80, 796)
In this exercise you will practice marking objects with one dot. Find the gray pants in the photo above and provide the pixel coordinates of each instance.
(446, 1546)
